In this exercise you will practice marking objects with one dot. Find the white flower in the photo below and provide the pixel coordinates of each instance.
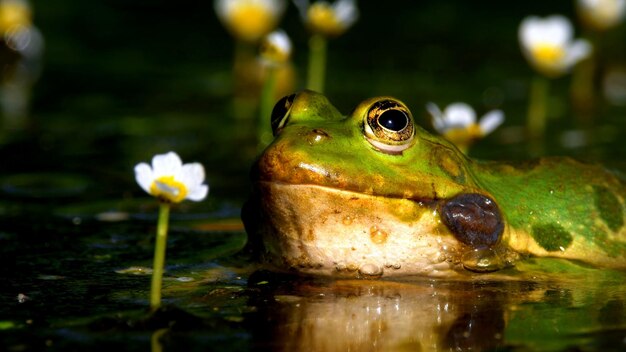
(326, 19)
(601, 14)
(249, 20)
(548, 45)
(460, 116)
(14, 14)
(276, 48)
(169, 180)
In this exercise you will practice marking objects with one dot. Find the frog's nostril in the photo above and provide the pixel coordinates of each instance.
(316, 136)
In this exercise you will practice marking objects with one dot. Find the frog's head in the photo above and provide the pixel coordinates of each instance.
(370, 193)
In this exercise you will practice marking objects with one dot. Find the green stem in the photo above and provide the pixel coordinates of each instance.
(264, 132)
(244, 102)
(582, 90)
(537, 112)
(155, 342)
(317, 63)
(159, 256)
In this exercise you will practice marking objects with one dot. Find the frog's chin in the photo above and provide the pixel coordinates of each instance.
(325, 231)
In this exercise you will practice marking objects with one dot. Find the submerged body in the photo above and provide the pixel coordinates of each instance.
(373, 194)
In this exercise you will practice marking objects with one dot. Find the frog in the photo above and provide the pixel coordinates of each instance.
(372, 194)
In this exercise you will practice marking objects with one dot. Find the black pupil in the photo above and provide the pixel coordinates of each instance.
(394, 120)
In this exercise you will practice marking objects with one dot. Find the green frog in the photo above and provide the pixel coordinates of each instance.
(372, 194)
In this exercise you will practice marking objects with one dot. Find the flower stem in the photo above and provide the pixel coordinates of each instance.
(264, 133)
(244, 66)
(159, 256)
(317, 63)
(155, 342)
(582, 90)
(537, 112)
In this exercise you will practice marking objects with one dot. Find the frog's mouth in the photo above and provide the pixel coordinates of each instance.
(320, 230)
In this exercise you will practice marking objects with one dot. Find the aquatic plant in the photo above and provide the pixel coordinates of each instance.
(548, 46)
(248, 21)
(601, 14)
(22, 48)
(597, 17)
(275, 52)
(170, 181)
(324, 20)
(457, 123)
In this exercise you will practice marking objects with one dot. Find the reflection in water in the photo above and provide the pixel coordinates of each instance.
(386, 316)
(430, 315)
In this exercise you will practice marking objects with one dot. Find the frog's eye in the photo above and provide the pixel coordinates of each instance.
(280, 113)
(389, 126)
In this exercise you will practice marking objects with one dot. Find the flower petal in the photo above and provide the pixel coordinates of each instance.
(192, 175)
(346, 12)
(557, 30)
(491, 121)
(144, 176)
(554, 30)
(198, 193)
(577, 51)
(303, 7)
(602, 14)
(168, 164)
(222, 9)
(528, 31)
(433, 109)
(459, 115)
(438, 122)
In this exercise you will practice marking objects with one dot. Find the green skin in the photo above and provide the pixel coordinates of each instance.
(551, 207)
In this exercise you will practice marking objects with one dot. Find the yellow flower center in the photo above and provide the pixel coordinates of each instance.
(322, 19)
(13, 15)
(168, 189)
(463, 137)
(548, 58)
(250, 21)
(548, 54)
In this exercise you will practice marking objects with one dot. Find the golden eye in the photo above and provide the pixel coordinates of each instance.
(388, 126)
(280, 113)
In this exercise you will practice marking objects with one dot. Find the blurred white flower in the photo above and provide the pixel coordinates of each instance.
(23, 44)
(17, 30)
(457, 123)
(601, 14)
(328, 19)
(14, 14)
(171, 181)
(275, 48)
(547, 44)
(249, 20)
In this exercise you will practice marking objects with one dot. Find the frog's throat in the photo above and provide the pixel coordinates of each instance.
(326, 231)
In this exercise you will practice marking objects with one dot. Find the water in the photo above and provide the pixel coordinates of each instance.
(68, 290)
(124, 80)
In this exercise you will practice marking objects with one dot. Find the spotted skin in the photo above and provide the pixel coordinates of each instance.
(561, 207)
(551, 237)
(609, 207)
